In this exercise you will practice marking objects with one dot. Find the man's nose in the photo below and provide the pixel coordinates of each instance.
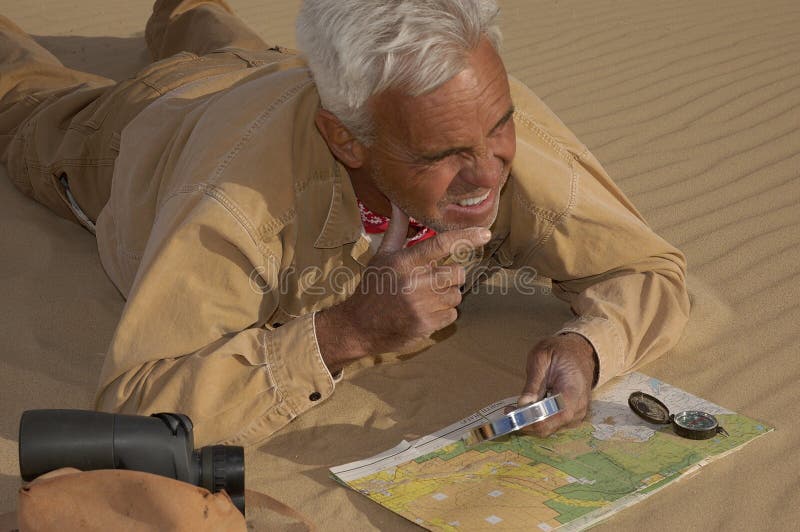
(488, 170)
(485, 170)
(489, 164)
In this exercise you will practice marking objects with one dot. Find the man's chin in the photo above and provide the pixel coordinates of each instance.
(456, 217)
(454, 225)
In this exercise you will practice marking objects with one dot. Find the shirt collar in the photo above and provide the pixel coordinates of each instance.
(343, 223)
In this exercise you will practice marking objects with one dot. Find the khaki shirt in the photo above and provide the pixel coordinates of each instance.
(230, 224)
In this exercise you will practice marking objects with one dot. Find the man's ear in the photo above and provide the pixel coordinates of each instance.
(341, 142)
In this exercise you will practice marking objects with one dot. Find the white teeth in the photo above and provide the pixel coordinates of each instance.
(473, 201)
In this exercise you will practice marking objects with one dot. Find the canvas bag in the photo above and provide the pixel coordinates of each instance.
(129, 501)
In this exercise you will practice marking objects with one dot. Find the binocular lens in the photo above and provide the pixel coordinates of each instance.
(222, 468)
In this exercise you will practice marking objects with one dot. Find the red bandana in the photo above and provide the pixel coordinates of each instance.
(375, 223)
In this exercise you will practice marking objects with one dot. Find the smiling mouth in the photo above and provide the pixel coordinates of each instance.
(471, 202)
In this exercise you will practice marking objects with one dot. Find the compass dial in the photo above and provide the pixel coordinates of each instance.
(696, 420)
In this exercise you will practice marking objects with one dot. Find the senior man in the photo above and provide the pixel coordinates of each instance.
(241, 194)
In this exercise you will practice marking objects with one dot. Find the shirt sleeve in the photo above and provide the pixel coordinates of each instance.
(195, 335)
(624, 283)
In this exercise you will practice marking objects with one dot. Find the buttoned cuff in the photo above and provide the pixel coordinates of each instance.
(301, 377)
(606, 343)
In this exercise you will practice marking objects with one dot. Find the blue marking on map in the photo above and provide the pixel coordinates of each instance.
(655, 385)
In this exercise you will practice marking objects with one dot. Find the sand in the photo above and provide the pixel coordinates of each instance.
(694, 109)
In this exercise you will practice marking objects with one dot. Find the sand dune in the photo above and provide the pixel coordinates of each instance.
(694, 109)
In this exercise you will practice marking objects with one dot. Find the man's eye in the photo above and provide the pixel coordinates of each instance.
(437, 159)
(501, 127)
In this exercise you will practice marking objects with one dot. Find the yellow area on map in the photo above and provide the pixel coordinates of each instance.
(483, 488)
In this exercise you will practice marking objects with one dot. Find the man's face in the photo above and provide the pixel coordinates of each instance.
(444, 156)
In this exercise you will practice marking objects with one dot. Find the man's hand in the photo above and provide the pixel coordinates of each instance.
(405, 295)
(562, 364)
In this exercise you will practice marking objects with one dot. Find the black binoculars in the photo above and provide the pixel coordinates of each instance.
(162, 444)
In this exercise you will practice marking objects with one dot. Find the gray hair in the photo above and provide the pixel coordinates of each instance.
(360, 48)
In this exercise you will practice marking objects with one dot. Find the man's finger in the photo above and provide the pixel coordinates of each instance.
(443, 278)
(394, 239)
(443, 318)
(458, 242)
(449, 299)
(536, 382)
(548, 426)
(571, 415)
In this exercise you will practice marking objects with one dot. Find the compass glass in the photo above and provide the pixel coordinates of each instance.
(696, 420)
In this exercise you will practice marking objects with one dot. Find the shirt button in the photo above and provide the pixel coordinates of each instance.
(316, 396)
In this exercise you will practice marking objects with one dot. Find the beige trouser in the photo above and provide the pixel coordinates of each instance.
(60, 128)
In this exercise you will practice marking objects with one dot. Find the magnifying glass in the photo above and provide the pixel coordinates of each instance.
(515, 420)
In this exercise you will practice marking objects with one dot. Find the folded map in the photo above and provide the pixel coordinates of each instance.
(568, 481)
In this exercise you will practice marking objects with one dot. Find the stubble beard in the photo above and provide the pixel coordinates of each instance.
(437, 224)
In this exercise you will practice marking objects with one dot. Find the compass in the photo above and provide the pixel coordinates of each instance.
(692, 424)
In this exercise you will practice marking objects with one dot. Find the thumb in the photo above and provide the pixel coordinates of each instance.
(527, 398)
(395, 236)
(536, 383)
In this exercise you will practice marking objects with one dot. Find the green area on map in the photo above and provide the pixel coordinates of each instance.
(524, 482)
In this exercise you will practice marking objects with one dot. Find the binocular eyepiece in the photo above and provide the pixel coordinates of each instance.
(162, 444)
